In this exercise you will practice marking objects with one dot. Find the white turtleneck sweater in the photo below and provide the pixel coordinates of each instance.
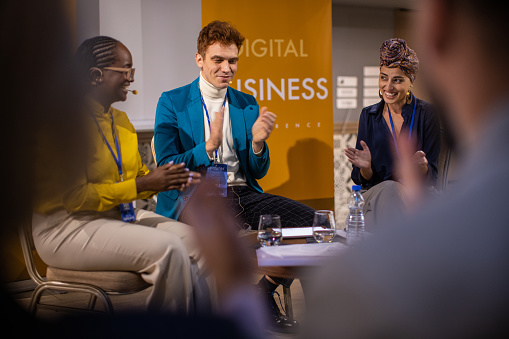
(214, 98)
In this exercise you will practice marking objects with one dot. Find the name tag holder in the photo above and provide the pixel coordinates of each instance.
(218, 174)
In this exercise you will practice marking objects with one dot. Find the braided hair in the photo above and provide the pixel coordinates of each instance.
(95, 52)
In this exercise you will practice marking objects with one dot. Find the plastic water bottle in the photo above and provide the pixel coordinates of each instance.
(355, 221)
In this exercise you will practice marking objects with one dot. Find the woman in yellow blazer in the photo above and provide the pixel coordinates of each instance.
(93, 226)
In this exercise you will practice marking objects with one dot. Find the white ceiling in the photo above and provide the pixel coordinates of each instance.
(408, 4)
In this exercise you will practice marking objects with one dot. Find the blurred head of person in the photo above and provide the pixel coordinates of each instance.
(106, 68)
(218, 52)
(41, 103)
(398, 68)
(463, 46)
(42, 99)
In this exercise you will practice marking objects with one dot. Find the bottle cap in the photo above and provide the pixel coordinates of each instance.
(356, 187)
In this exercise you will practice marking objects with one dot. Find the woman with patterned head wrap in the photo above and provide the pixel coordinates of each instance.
(399, 114)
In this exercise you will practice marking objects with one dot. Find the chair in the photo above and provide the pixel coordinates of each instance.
(153, 150)
(155, 161)
(445, 163)
(98, 284)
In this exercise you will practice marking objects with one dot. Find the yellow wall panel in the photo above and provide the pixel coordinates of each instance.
(286, 63)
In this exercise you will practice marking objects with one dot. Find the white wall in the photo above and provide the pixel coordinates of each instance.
(170, 30)
(161, 36)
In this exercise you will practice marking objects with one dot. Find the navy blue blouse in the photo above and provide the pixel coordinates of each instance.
(377, 135)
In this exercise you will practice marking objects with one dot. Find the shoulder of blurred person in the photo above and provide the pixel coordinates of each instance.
(59, 162)
(441, 273)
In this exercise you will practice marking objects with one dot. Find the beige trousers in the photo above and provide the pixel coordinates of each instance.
(162, 250)
(382, 202)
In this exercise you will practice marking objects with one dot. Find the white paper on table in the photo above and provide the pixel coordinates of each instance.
(297, 255)
(297, 232)
(304, 232)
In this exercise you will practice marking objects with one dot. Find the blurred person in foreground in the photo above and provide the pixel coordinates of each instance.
(400, 114)
(441, 272)
(34, 96)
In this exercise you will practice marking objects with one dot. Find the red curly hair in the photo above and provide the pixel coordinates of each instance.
(218, 31)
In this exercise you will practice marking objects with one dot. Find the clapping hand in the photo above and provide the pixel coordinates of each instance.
(262, 128)
(167, 177)
(216, 133)
(359, 158)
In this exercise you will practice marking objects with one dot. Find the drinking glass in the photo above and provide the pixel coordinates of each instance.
(324, 226)
(269, 230)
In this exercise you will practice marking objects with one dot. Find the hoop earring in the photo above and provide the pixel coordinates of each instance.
(380, 94)
(409, 96)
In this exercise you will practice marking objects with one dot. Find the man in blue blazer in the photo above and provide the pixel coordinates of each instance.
(180, 137)
(211, 127)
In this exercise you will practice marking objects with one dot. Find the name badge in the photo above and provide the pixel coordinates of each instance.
(217, 173)
(127, 212)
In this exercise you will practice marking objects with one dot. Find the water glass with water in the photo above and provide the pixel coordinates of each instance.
(324, 226)
(269, 230)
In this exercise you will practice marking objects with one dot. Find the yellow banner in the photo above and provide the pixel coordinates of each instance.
(286, 63)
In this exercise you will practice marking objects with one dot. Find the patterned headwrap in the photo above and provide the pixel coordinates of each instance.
(396, 53)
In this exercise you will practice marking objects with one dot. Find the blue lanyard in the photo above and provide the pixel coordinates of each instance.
(207, 113)
(411, 125)
(118, 160)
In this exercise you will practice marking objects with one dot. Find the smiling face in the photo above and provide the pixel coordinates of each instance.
(115, 83)
(393, 85)
(219, 64)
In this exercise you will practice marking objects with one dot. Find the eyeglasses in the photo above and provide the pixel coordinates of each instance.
(129, 72)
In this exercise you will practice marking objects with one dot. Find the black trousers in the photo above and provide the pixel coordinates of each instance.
(248, 204)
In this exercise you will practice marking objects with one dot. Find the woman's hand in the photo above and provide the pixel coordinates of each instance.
(421, 161)
(411, 170)
(167, 177)
(361, 159)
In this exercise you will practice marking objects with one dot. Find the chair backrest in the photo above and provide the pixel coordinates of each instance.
(445, 161)
(28, 248)
(153, 150)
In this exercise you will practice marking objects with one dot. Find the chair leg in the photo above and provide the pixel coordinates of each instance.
(91, 302)
(36, 297)
(288, 302)
(95, 293)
